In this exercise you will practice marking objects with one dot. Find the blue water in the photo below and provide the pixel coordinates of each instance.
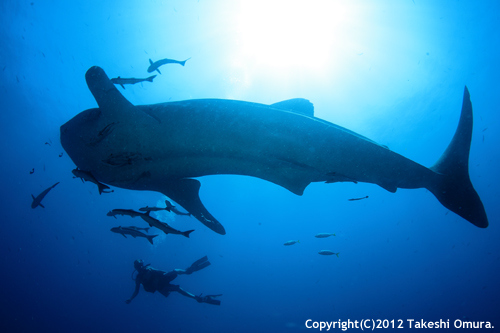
(393, 71)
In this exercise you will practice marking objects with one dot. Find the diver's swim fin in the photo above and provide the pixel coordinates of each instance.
(209, 299)
(198, 264)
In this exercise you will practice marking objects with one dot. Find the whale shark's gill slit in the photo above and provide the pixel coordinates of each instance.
(295, 163)
(123, 159)
(150, 113)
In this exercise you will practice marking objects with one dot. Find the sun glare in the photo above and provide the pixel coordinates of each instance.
(288, 33)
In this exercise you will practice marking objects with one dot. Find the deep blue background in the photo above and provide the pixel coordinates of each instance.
(393, 71)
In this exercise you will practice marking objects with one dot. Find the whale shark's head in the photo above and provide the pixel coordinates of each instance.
(85, 137)
(79, 135)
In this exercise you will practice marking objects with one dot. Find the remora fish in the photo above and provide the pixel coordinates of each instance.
(153, 209)
(164, 226)
(128, 212)
(171, 208)
(38, 200)
(87, 176)
(137, 228)
(132, 232)
(282, 143)
(122, 81)
(153, 66)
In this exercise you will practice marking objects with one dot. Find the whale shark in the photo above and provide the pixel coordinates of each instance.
(165, 147)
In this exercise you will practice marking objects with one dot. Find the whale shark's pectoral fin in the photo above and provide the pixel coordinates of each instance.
(105, 93)
(186, 193)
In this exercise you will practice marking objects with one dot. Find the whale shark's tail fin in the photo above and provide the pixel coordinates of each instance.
(453, 187)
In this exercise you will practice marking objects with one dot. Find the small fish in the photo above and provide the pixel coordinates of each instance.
(163, 226)
(172, 208)
(128, 212)
(323, 235)
(291, 242)
(153, 209)
(87, 176)
(32, 171)
(38, 200)
(132, 232)
(153, 66)
(48, 143)
(122, 81)
(61, 154)
(137, 228)
(354, 199)
(328, 253)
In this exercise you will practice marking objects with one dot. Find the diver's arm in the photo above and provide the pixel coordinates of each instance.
(136, 291)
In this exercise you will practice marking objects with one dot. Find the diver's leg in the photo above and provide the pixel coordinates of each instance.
(174, 287)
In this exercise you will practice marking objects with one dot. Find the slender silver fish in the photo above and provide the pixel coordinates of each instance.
(153, 66)
(132, 232)
(121, 81)
(323, 235)
(163, 226)
(128, 212)
(172, 208)
(38, 200)
(137, 228)
(328, 253)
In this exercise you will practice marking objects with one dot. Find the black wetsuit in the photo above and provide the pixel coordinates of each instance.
(154, 280)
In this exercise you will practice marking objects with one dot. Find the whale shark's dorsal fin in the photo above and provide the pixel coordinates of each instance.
(297, 105)
(105, 93)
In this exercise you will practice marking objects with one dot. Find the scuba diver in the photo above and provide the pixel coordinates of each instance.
(156, 280)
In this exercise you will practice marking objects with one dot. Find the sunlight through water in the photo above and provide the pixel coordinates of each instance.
(291, 33)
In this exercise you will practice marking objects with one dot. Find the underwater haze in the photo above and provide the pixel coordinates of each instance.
(392, 71)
